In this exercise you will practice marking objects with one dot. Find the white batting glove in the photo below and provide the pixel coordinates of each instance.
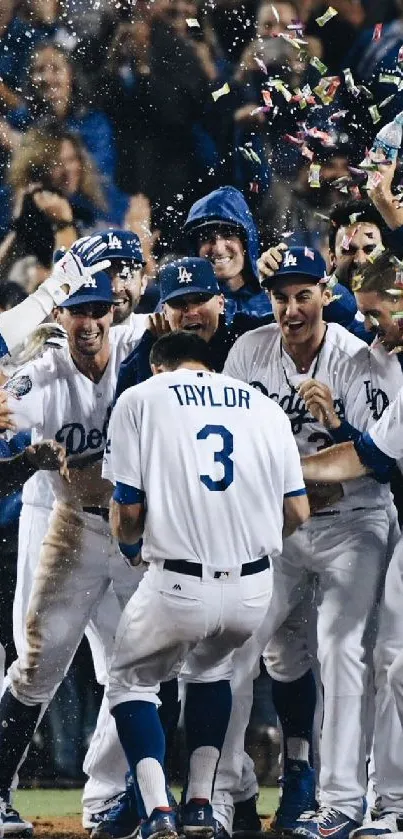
(67, 277)
(89, 248)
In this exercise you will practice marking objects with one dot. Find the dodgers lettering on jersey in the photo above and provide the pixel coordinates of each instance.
(214, 459)
(51, 396)
(361, 382)
(387, 433)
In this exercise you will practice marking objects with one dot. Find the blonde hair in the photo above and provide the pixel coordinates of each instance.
(38, 154)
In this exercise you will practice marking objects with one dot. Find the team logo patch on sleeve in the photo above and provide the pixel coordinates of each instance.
(18, 386)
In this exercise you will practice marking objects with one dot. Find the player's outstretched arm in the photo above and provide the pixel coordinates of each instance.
(15, 471)
(334, 465)
(67, 277)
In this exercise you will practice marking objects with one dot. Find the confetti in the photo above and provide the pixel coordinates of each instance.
(373, 320)
(350, 84)
(319, 65)
(192, 22)
(307, 152)
(262, 109)
(375, 253)
(365, 90)
(324, 19)
(308, 252)
(400, 56)
(398, 316)
(396, 261)
(389, 79)
(281, 88)
(356, 282)
(297, 43)
(295, 141)
(331, 280)
(396, 292)
(322, 216)
(354, 191)
(377, 32)
(337, 115)
(266, 95)
(375, 115)
(386, 101)
(222, 91)
(260, 64)
(314, 175)
(353, 217)
(275, 13)
(253, 186)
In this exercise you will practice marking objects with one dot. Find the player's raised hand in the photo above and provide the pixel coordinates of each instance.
(158, 324)
(49, 455)
(318, 399)
(6, 417)
(68, 275)
(270, 261)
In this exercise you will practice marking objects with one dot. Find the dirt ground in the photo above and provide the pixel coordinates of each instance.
(69, 827)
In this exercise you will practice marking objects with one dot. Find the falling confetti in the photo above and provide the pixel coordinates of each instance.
(319, 65)
(387, 100)
(222, 91)
(337, 115)
(375, 115)
(260, 64)
(376, 253)
(324, 19)
(350, 84)
(377, 32)
(400, 56)
(275, 13)
(192, 22)
(281, 88)
(356, 282)
(266, 95)
(314, 175)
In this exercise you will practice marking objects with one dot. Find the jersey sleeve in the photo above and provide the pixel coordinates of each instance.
(369, 388)
(293, 478)
(123, 457)
(26, 398)
(387, 433)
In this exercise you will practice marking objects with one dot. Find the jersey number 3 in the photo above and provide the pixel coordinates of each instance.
(222, 456)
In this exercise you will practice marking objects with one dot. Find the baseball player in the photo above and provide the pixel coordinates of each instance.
(67, 395)
(238, 464)
(105, 763)
(122, 249)
(344, 546)
(377, 293)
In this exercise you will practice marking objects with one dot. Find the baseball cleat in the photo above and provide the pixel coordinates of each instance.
(298, 796)
(121, 821)
(246, 820)
(384, 823)
(11, 823)
(198, 820)
(91, 820)
(327, 823)
(160, 825)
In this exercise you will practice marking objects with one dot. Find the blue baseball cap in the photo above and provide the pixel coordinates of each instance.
(190, 275)
(121, 244)
(97, 289)
(302, 262)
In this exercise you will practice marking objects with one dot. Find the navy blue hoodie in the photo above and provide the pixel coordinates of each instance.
(228, 205)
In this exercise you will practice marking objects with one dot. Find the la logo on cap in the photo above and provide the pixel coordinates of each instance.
(289, 260)
(184, 276)
(90, 283)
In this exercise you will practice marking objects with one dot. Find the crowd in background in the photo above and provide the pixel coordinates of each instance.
(125, 113)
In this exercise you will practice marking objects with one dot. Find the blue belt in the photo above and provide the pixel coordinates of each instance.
(195, 569)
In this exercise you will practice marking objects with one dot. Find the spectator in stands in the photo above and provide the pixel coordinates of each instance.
(54, 89)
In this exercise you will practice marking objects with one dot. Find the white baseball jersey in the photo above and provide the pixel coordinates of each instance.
(387, 433)
(361, 382)
(51, 396)
(214, 459)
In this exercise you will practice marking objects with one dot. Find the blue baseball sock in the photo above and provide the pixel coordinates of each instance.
(295, 704)
(142, 736)
(207, 713)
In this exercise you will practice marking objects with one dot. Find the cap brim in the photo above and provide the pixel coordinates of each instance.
(183, 292)
(87, 298)
(213, 222)
(287, 275)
